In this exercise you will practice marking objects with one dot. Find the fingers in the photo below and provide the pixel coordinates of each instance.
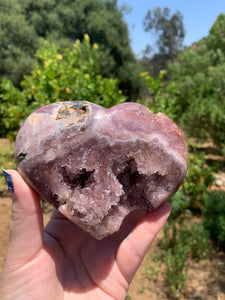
(26, 226)
(133, 248)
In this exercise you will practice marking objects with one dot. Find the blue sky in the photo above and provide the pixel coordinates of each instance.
(198, 18)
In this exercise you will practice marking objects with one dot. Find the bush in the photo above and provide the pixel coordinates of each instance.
(181, 205)
(198, 74)
(164, 96)
(193, 95)
(180, 242)
(199, 178)
(214, 216)
(71, 75)
(198, 241)
(189, 199)
(175, 254)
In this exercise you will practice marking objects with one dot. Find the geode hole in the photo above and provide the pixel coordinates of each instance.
(83, 179)
(139, 190)
(134, 185)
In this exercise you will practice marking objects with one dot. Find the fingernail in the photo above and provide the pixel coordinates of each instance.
(8, 179)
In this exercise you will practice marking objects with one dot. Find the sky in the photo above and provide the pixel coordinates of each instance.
(198, 18)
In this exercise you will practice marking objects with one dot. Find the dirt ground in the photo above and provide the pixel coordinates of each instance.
(206, 278)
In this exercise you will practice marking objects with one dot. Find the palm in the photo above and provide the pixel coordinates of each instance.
(67, 263)
(86, 265)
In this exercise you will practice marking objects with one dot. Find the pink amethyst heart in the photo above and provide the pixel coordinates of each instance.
(97, 165)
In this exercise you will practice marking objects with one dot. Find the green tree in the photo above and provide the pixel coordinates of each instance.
(195, 94)
(18, 42)
(57, 76)
(62, 22)
(216, 38)
(170, 35)
(199, 77)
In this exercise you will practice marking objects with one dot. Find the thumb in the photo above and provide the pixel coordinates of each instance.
(26, 226)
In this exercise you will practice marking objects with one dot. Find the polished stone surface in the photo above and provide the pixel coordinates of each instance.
(97, 165)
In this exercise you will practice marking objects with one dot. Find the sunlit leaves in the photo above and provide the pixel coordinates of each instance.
(71, 75)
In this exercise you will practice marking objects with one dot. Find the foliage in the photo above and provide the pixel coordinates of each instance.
(189, 199)
(175, 254)
(182, 240)
(216, 39)
(128, 296)
(179, 243)
(152, 270)
(195, 92)
(164, 98)
(199, 77)
(198, 241)
(141, 289)
(199, 175)
(170, 29)
(170, 35)
(199, 178)
(24, 23)
(192, 94)
(13, 109)
(194, 100)
(214, 216)
(72, 75)
(181, 205)
(18, 41)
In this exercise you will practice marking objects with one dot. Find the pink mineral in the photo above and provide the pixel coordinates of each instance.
(97, 165)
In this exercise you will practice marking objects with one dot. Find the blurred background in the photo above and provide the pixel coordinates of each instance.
(167, 55)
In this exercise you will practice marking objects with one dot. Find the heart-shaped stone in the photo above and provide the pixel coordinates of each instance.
(96, 165)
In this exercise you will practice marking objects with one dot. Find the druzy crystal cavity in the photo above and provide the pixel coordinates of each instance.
(97, 165)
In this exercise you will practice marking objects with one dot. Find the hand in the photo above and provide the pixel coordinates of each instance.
(64, 262)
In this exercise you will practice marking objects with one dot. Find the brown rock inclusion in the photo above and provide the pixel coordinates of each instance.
(96, 165)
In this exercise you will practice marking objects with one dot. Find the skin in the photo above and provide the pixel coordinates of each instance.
(61, 261)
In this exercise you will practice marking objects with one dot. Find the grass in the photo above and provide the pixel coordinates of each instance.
(141, 289)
